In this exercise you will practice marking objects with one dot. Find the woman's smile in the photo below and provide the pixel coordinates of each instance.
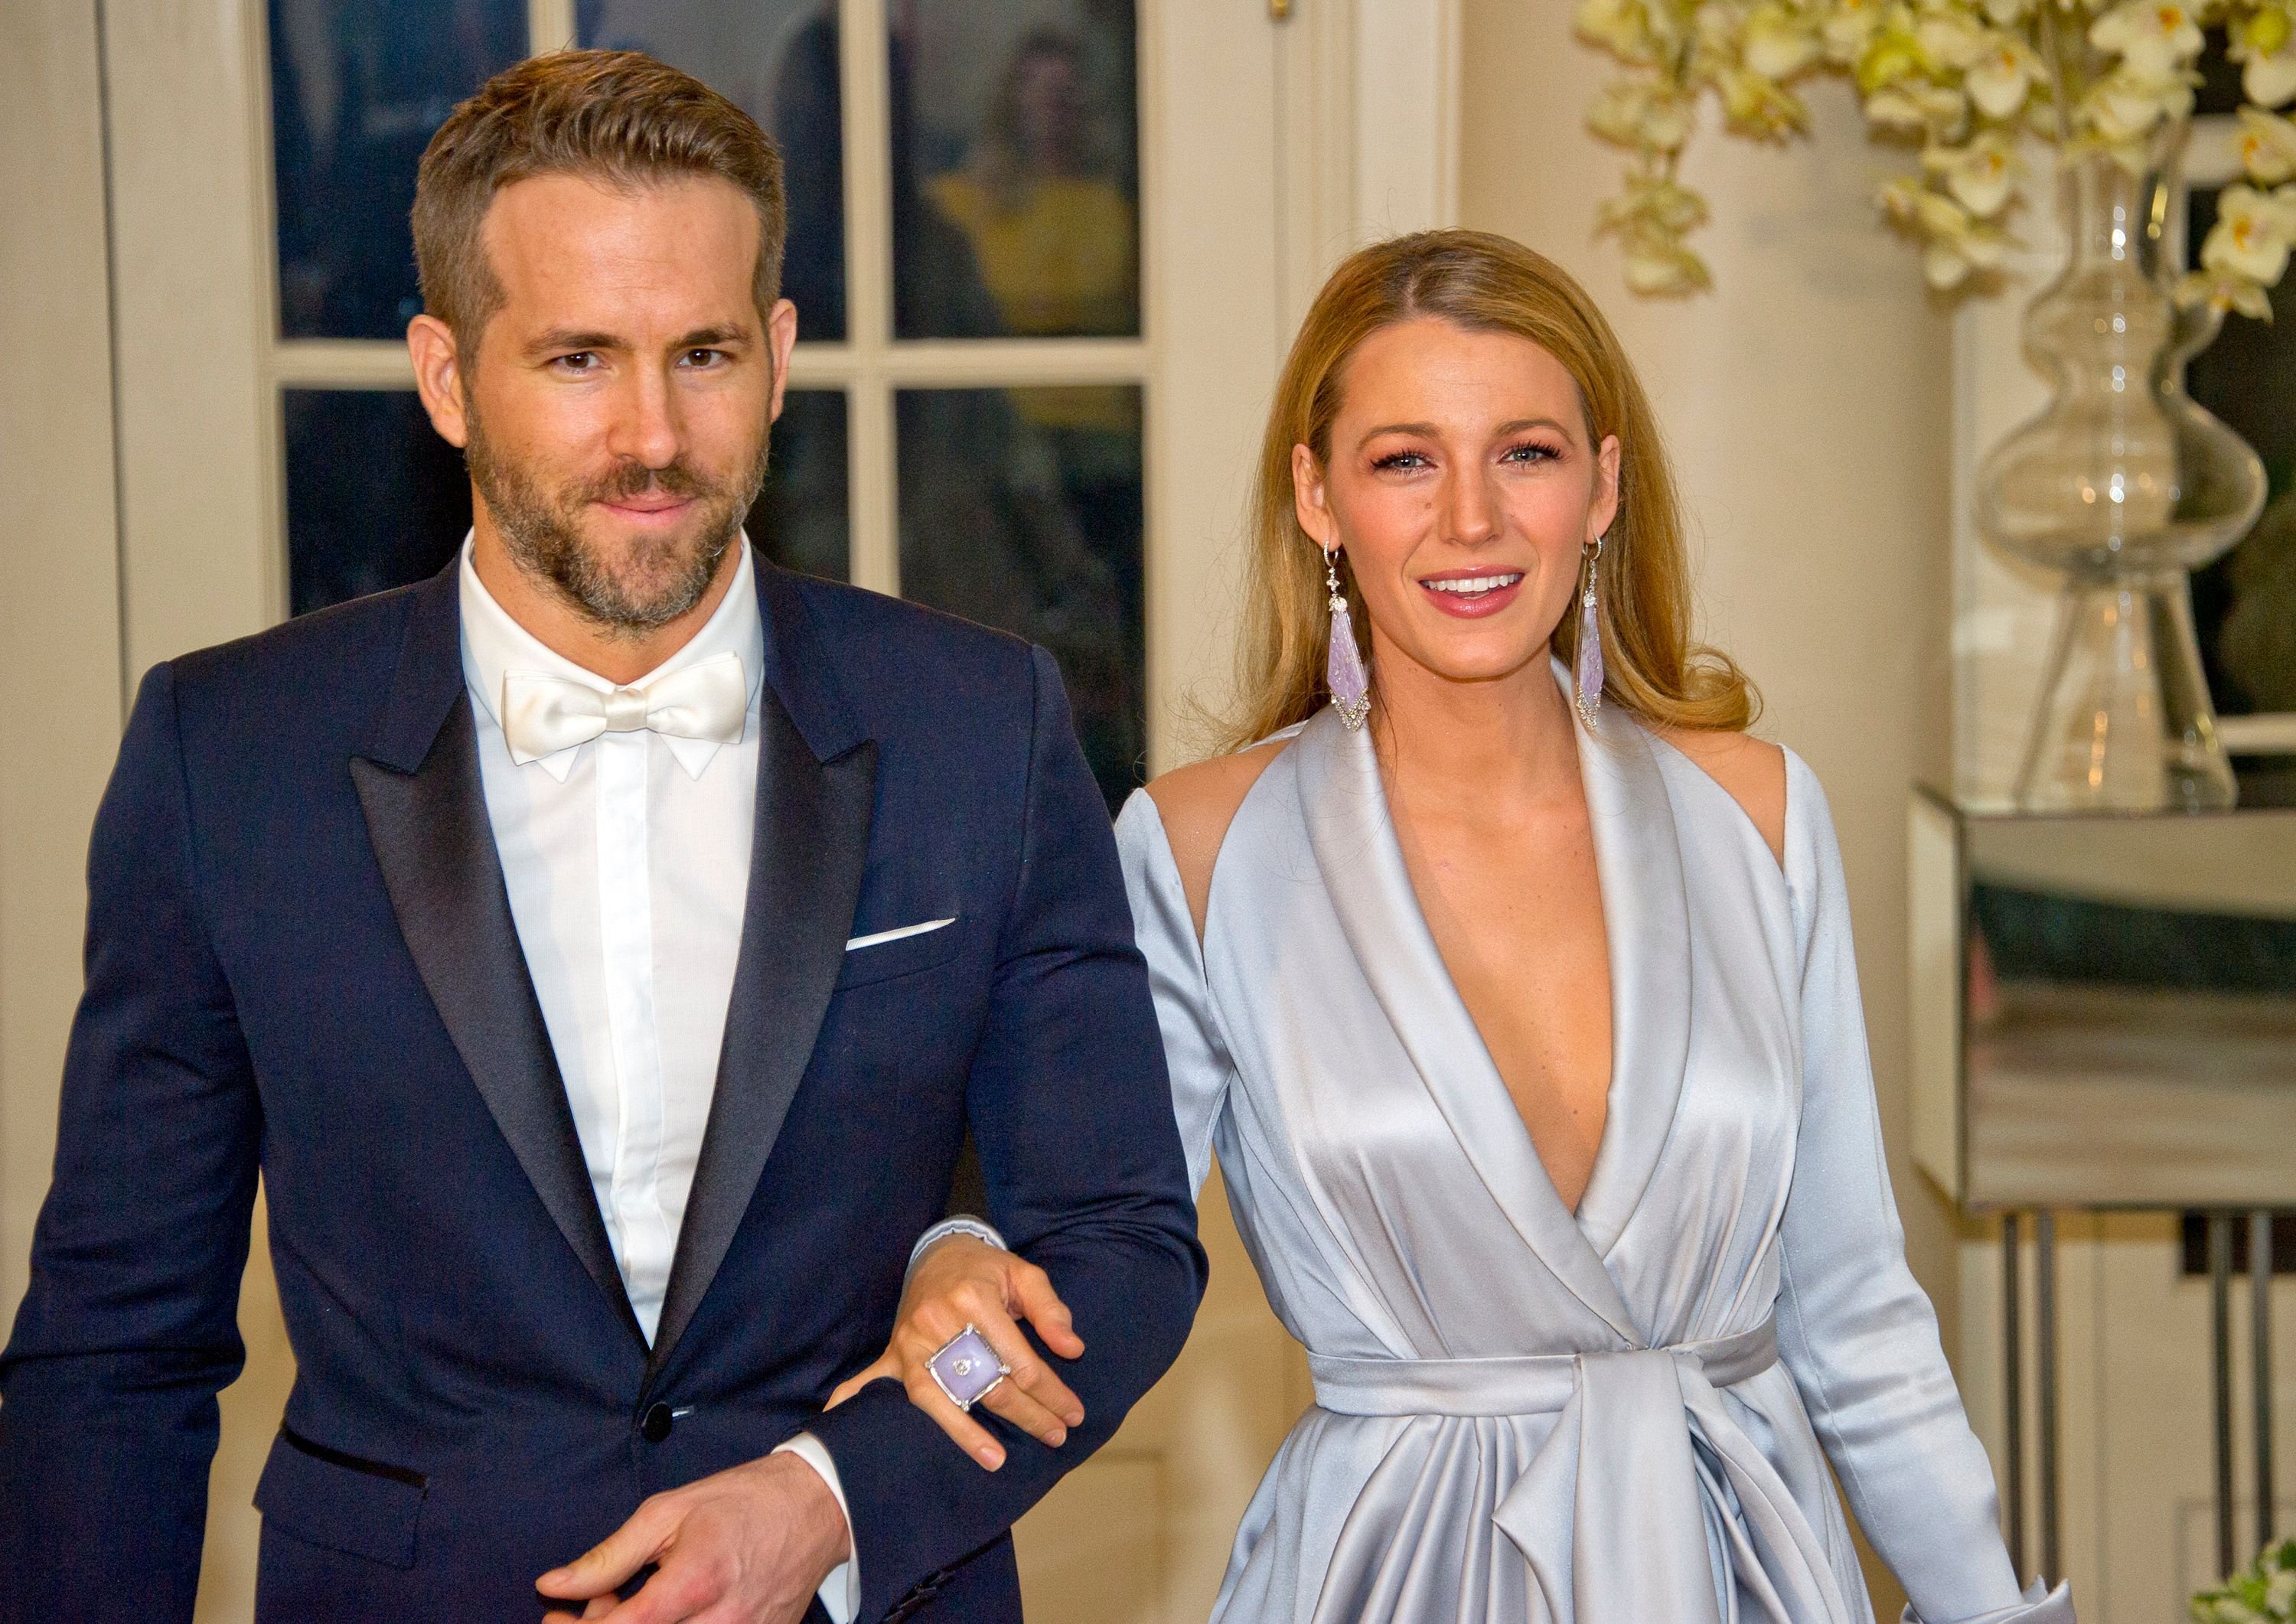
(1472, 595)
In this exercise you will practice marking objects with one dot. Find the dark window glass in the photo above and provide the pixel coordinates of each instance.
(1020, 509)
(375, 499)
(2244, 604)
(2219, 90)
(1016, 171)
(801, 520)
(358, 87)
(777, 60)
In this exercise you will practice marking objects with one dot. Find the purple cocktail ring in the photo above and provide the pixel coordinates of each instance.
(966, 1368)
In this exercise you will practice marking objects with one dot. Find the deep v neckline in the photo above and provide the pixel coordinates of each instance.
(1638, 870)
(1610, 1079)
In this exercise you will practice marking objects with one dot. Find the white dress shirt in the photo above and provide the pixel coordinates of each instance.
(627, 863)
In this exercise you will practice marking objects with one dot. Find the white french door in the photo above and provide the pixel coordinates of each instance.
(1046, 253)
(1044, 269)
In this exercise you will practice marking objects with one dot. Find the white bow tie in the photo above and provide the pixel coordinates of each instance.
(542, 715)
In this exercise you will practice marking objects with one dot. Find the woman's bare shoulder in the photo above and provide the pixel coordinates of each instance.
(1197, 804)
(1752, 770)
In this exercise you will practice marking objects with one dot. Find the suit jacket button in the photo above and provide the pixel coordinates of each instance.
(656, 1423)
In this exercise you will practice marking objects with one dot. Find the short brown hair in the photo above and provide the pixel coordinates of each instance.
(1484, 283)
(619, 116)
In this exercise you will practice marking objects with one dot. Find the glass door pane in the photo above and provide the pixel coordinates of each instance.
(375, 499)
(357, 88)
(777, 61)
(1021, 509)
(802, 520)
(1016, 193)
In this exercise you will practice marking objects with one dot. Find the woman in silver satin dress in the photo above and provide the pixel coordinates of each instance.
(1622, 1413)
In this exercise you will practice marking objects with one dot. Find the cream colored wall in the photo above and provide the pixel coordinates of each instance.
(59, 574)
(1806, 401)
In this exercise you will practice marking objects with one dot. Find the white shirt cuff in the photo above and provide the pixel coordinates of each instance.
(841, 1591)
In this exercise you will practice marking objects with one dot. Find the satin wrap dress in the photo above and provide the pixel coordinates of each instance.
(1622, 1416)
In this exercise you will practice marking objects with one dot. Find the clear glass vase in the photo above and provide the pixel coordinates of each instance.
(2123, 486)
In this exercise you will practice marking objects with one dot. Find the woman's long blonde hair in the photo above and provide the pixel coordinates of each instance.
(1485, 284)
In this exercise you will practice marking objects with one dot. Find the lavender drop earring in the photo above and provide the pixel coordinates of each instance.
(1344, 670)
(1588, 676)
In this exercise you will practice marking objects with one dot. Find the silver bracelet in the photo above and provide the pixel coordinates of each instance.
(973, 1227)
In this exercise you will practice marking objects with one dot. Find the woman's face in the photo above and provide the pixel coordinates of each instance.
(1463, 486)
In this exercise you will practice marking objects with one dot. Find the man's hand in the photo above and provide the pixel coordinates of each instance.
(961, 1281)
(750, 1546)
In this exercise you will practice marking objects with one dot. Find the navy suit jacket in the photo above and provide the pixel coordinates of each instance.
(302, 963)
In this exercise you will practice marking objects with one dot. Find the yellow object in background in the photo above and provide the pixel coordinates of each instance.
(1059, 257)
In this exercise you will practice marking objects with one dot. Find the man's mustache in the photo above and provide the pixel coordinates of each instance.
(636, 479)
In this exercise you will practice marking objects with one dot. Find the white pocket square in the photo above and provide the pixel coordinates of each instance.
(879, 939)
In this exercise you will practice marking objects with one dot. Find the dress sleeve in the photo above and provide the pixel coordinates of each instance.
(1854, 1326)
(1194, 1051)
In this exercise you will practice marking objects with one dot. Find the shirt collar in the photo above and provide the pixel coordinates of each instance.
(494, 645)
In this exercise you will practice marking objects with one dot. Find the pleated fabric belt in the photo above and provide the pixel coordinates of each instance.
(1534, 1385)
(1647, 1500)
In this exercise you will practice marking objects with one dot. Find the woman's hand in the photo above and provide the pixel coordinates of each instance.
(961, 1281)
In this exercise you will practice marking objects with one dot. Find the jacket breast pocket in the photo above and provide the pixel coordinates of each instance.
(342, 1502)
(882, 956)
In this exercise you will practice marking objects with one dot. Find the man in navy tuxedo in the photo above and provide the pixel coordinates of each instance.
(600, 951)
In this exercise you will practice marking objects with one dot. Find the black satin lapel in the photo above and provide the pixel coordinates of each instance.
(439, 864)
(806, 863)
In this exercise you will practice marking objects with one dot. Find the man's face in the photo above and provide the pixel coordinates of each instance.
(616, 415)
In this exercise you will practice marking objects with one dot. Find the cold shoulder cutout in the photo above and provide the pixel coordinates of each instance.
(1752, 770)
(1197, 803)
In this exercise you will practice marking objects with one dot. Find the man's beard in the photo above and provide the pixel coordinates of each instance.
(542, 530)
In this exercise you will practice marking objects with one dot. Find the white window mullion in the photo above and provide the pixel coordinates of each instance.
(549, 25)
(871, 505)
(342, 364)
(1010, 363)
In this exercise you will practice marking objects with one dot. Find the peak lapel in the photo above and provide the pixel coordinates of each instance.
(425, 805)
(807, 859)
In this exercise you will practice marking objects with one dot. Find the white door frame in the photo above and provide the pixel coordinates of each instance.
(156, 524)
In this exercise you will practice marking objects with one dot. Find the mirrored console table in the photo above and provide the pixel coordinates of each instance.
(2105, 1020)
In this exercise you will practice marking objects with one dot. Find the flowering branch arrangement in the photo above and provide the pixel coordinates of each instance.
(2264, 1594)
(1963, 81)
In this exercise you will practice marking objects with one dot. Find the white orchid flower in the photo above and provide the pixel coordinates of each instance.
(1755, 106)
(2153, 39)
(1968, 80)
(2125, 106)
(1621, 27)
(1777, 44)
(1981, 175)
(1848, 26)
(2267, 152)
(1955, 242)
(1951, 39)
(2268, 77)
(2003, 75)
(1654, 205)
(2225, 292)
(1663, 268)
(2252, 235)
(1638, 113)
(1948, 261)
